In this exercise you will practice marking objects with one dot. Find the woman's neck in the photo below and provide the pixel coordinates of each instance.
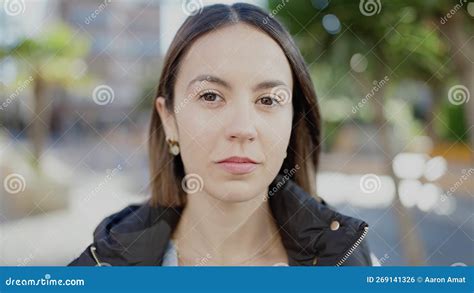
(224, 232)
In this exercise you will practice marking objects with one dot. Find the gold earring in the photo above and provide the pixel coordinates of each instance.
(173, 146)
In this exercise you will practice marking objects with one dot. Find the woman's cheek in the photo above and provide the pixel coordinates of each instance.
(192, 121)
(277, 125)
(279, 138)
(190, 130)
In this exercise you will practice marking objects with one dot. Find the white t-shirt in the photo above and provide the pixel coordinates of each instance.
(170, 258)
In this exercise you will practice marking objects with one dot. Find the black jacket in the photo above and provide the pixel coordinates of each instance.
(313, 234)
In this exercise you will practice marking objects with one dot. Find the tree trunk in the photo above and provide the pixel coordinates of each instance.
(462, 52)
(410, 241)
(39, 124)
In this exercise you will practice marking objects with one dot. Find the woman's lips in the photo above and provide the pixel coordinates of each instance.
(238, 168)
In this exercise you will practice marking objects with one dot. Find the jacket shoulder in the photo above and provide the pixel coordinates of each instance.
(87, 257)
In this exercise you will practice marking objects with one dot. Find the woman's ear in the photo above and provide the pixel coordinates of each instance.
(167, 118)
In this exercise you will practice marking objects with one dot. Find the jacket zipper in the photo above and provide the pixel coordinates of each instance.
(353, 247)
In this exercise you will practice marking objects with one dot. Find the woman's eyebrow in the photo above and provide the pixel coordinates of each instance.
(214, 79)
(209, 78)
(268, 84)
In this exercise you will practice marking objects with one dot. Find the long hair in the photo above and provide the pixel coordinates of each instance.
(167, 171)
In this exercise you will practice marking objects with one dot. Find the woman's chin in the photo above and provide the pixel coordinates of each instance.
(236, 192)
(236, 198)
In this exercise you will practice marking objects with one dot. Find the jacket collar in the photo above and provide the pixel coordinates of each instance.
(312, 232)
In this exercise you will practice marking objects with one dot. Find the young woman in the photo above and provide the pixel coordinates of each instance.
(234, 145)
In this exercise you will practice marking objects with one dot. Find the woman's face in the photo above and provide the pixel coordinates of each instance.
(232, 99)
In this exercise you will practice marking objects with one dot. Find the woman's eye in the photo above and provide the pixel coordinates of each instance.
(269, 101)
(210, 97)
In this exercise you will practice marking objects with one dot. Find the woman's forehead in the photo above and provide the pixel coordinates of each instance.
(236, 52)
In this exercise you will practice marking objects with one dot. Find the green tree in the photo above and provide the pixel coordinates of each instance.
(398, 39)
(53, 60)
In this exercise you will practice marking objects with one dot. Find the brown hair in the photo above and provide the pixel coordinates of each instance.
(167, 171)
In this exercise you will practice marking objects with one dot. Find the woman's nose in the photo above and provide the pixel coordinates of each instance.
(241, 125)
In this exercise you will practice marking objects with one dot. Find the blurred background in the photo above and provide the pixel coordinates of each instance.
(394, 80)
